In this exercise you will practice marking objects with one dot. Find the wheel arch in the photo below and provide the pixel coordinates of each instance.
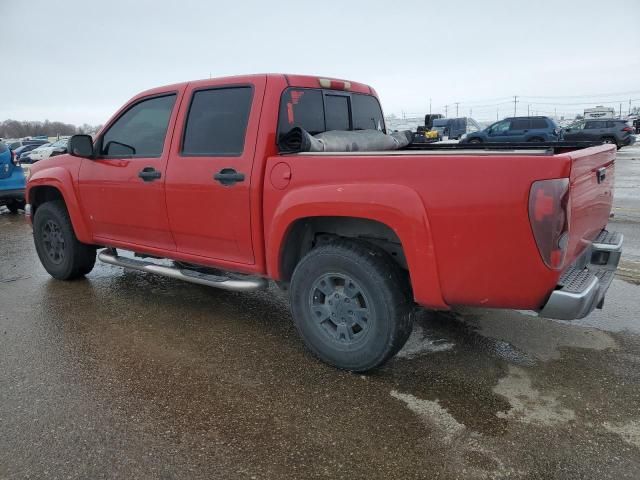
(394, 219)
(56, 184)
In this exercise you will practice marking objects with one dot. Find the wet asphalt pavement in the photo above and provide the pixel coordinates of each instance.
(127, 375)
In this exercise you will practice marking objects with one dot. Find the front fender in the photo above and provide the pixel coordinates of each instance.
(60, 178)
(396, 206)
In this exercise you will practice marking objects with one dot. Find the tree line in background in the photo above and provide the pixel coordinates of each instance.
(18, 129)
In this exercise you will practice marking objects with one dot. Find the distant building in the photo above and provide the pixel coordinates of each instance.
(599, 112)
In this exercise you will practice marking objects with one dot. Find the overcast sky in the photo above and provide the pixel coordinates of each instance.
(78, 60)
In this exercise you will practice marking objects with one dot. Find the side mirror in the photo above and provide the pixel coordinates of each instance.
(81, 146)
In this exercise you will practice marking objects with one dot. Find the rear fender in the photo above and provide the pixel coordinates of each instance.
(61, 179)
(396, 206)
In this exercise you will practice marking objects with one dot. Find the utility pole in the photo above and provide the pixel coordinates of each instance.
(446, 108)
(528, 105)
(515, 103)
(457, 103)
(471, 112)
(629, 107)
(620, 110)
(429, 105)
(497, 110)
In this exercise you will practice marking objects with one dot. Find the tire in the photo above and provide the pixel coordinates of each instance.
(60, 252)
(13, 207)
(325, 286)
(610, 140)
(475, 140)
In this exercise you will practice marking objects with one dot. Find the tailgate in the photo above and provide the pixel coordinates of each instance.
(591, 194)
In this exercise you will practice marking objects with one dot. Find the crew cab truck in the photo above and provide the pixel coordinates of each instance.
(193, 173)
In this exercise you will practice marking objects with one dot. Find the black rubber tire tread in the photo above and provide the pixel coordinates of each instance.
(13, 207)
(79, 259)
(377, 271)
(476, 140)
(613, 141)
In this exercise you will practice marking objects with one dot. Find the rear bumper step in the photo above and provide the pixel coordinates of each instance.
(238, 284)
(583, 286)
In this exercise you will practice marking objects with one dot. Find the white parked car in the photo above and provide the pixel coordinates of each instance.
(49, 150)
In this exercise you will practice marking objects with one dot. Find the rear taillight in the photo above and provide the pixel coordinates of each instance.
(627, 129)
(549, 217)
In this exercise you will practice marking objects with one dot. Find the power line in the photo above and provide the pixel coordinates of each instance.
(592, 95)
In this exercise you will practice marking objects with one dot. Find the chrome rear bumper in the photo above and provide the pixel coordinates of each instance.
(582, 286)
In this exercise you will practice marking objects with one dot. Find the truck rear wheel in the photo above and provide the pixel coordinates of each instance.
(351, 306)
(60, 252)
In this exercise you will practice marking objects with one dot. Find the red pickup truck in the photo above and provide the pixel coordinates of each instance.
(193, 173)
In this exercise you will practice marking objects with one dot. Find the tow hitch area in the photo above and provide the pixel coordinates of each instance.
(582, 286)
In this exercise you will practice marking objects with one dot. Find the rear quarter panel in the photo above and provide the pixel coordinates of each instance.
(462, 219)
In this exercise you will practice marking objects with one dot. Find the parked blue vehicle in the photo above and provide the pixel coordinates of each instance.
(12, 180)
(517, 130)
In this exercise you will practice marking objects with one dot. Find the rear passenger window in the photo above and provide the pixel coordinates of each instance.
(538, 123)
(141, 130)
(595, 124)
(520, 124)
(336, 112)
(217, 121)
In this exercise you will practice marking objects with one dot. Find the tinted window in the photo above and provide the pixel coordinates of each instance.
(217, 121)
(336, 112)
(366, 113)
(520, 124)
(500, 127)
(141, 130)
(538, 123)
(595, 124)
(301, 108)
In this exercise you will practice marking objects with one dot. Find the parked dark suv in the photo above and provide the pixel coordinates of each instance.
(606, 131)
(517, 130)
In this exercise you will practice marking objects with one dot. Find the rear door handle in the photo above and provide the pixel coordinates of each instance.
(149, 174)
(601, 174)
(228, 177)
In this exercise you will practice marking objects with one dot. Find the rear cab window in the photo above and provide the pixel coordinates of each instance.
(319, 110)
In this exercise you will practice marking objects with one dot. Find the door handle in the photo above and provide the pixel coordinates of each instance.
(228, 177)
(149, 174)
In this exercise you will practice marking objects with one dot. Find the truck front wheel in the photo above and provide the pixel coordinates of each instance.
(60, 252)
(351, 305)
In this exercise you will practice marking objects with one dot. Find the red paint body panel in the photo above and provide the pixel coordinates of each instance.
(462, 218)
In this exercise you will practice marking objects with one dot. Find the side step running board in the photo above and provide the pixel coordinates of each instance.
(226, 283)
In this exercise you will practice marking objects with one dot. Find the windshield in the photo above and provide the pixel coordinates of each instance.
(440, 123)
